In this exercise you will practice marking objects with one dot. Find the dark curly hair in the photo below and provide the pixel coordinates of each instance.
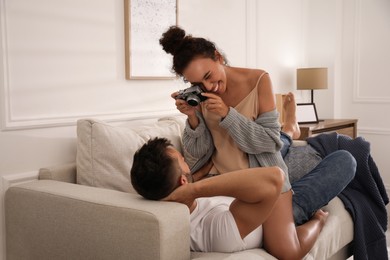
(153, 174)
(185, 48)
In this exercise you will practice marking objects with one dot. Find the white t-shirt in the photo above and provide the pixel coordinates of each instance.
(213, 228)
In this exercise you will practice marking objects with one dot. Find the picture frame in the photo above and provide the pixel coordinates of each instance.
(306, 113)
(145, 22)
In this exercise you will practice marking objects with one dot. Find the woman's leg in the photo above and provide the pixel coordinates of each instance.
(290, 124)
(290, 129)
(322, 184)
(282, 238)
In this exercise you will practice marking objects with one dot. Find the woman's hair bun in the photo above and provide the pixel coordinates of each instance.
(172, 39)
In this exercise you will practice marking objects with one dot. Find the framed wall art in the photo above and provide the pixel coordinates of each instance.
(145, 22)
(306, 113)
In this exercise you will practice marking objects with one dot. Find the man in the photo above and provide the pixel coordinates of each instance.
(250, 204)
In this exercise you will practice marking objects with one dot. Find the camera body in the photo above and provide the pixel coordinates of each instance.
(192, 95)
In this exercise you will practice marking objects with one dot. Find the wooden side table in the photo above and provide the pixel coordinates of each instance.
(341, 126)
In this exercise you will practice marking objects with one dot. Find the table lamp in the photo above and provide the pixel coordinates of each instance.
(312, 78)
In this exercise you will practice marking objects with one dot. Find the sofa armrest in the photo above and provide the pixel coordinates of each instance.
(56, 220)
(66, 173)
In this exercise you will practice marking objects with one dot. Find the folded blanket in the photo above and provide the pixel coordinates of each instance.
(365, 197)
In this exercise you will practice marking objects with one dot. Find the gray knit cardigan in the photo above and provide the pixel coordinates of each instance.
(260, 139)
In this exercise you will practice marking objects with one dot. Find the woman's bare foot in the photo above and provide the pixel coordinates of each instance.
(290, 125)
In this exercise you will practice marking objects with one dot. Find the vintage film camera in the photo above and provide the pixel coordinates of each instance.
(192, 95)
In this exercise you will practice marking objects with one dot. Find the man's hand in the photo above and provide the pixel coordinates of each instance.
(202, 172)
(183, 194)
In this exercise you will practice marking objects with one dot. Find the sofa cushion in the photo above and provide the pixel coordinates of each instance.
(105, 152)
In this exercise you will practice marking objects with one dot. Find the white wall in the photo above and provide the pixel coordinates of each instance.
(351, 38)
(64, 60)
(365, 81)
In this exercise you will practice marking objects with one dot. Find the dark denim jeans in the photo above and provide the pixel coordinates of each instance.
(315, 189)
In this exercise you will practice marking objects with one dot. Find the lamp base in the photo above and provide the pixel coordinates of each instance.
(312, 96)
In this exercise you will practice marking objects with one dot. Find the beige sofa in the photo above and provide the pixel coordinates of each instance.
(88, 210)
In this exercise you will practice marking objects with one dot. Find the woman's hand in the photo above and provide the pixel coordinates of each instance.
(183, 107)
(215, 104)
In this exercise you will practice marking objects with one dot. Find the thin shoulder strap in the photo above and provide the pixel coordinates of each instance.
(262, 74)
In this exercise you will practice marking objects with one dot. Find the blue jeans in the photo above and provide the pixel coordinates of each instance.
(319, 186)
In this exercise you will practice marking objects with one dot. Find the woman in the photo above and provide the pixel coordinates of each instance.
(238, 96)
(237, 127)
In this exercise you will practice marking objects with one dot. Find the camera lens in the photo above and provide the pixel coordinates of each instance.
(193, 100)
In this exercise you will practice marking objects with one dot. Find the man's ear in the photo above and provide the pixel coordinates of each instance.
(183, 180)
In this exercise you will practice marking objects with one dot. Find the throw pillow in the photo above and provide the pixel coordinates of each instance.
(300, 160)
(105, 154)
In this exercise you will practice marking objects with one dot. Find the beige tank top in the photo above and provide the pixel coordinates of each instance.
(227, 155)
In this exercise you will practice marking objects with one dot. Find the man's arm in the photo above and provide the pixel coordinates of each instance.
(255, 191)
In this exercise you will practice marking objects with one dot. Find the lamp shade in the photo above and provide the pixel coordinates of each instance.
(312, 78)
